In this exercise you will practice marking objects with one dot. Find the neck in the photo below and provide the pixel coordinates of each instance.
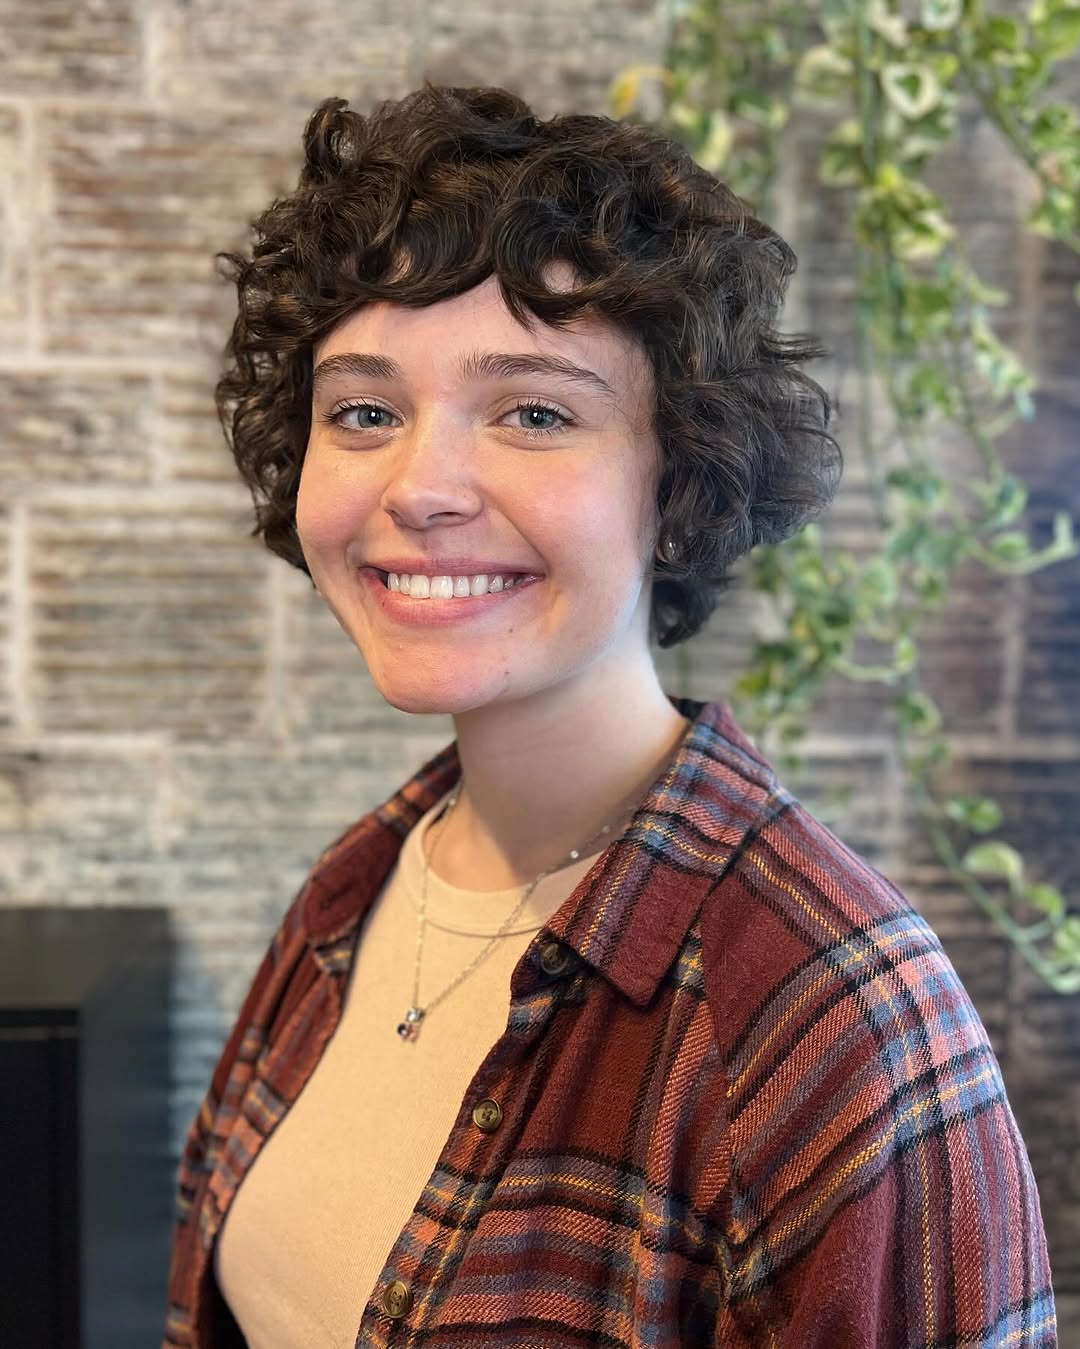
(543, 775)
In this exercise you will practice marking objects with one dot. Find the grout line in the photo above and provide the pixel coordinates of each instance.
(1012, 655)
(276, 713)
(420, 45)
(24, 718)
(71, 362)
(155, 449)
(222, 497)
(898, 823)
(1029, 262)
(150, 32)
(785, 221)
(92, 744)
(126, 103)
(39, 213)
(160, 813)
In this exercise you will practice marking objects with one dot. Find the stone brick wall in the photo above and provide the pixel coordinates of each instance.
(182, 722)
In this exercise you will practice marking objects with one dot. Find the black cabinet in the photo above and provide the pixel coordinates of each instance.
(87, 1177)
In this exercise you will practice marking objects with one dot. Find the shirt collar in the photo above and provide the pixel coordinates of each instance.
(628, 917)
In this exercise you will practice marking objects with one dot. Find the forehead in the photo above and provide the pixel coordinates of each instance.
(430, 339)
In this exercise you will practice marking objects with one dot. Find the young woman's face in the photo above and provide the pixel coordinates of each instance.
(444, 441)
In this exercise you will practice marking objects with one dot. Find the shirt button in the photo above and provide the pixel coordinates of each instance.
(554, 958)
(397, 1299)
(487, 1116)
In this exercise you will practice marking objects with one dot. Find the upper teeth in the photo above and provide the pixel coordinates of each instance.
(447, 587)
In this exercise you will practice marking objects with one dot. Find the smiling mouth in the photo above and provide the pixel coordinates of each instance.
(451, 587)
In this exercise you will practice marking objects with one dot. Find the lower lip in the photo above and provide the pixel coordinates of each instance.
(439, 613)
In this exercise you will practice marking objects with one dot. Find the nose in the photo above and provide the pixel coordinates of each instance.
(431, 475)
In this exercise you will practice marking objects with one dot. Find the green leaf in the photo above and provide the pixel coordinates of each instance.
(1003, 499)
(841, 161)
(1000, 34)
(904, 541)
(993, 860)
(1039, 9)
(824, 73)
(760, 108)
(1047, 899)
(1067, 936)
(1012, 546)
(1054, 126)
(922, 236)
(997, 363)
(905, 653)
(935, 755)
(938, 15)
(930, 587)
(687, 117)
(931, 306)
(978, 290)
(918, 712)
(835, 16)
(1063, 530)
(1056, 215)
(926, 136)
(775, 45)
(877, 584)
(912, 90)
(889, 25)
(931, 388)
(927, 490)
(978, 813)
(1059, 33)
(940, 549)
(713, 152)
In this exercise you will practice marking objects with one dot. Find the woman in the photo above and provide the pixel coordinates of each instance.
(590, 1034)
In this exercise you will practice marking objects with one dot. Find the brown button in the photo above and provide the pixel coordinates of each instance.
(487, 1116)
(554, 958)
(397, 1299)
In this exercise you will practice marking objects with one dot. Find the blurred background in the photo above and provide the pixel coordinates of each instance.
(183, 726)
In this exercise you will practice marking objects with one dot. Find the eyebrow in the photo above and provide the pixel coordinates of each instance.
(475, 365)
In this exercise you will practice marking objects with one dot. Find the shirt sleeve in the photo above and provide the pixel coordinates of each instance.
(882, 1196)
(208, 1130)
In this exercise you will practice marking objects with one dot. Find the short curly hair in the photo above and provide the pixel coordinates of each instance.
(468, 183)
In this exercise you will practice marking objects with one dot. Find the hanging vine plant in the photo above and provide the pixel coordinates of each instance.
(889, 79)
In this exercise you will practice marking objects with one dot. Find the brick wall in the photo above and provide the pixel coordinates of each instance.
(182, 722)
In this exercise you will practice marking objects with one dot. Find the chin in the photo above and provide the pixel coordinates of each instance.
(438, 696)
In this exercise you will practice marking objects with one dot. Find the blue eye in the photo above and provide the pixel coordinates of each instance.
(541, 410)
(336, 416)
(369, 413)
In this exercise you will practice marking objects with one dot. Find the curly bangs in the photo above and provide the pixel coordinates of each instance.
(466, 183)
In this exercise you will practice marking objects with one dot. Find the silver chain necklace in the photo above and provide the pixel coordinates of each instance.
(409, 1029)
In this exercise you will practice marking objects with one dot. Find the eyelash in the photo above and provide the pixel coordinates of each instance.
(527, 406)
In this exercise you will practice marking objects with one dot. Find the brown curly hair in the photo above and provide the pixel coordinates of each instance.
(468, 183)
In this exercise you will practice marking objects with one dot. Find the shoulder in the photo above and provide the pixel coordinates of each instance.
(864, 1107)
(795, 899)
(839, 1018)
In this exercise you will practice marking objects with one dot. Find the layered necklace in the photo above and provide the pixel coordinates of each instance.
(409, 1029)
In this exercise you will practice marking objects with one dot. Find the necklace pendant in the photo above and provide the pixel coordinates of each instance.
(409, 1029)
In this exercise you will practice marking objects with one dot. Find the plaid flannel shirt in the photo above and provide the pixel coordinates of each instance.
(745, 1101)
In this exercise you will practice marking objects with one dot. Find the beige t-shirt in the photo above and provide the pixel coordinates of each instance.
(314, 1220)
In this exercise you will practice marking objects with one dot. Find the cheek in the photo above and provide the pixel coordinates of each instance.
(327, 510)
(600, 517)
